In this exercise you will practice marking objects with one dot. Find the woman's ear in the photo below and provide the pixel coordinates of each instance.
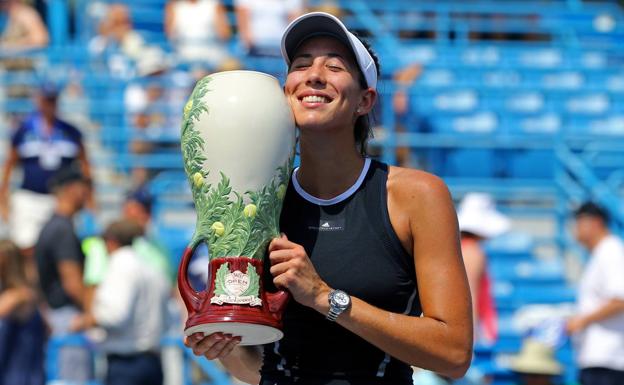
(369, 97)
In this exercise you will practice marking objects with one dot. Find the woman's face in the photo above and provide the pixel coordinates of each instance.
(322, 86)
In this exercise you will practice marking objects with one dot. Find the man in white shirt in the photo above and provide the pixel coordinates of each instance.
(599, 326)
(131, 306)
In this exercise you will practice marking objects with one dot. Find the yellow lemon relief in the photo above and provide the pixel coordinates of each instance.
(250, 210)
(218, 228)
(281, 191)
(188, 106)
(198, 179)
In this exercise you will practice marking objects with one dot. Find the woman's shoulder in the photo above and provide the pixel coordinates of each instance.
(415, 184)
(417, 201)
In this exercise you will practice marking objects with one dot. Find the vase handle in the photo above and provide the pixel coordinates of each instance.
(190, 297)
(277, 301)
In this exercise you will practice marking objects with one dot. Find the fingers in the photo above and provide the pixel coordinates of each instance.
(281, 243)
(216, 345)
(287, 260)
(227, 349)
(279, 256)
(279, 269)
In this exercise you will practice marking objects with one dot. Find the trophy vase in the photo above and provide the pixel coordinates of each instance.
(238, 138)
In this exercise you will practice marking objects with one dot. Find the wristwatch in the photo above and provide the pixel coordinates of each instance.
(339, 301)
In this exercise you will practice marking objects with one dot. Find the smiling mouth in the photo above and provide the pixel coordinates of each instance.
(315, 99)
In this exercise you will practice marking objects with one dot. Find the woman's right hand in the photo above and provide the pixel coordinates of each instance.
(213, 346)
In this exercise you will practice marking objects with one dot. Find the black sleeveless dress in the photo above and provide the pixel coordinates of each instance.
(353, 247)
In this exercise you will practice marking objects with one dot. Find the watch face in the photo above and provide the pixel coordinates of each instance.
(341, 298)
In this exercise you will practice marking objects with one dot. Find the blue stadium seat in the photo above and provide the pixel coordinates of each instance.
(525, 102)
(588, 104)
(470, 163)
(532, 164)
(456, 101)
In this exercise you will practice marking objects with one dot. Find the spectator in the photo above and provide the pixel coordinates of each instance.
(137, 208)
(24, 27)
(116, 32)
(198, 29)
(60, 263)
(261, 23)
(131, 305)
(22, 331)
(598, 327)
(536, 363)
(479, 220)
(74, 105)
(149, 101)
(42, 145)
(154, 104)
(404, 78)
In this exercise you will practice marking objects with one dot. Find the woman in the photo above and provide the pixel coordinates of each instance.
(199, 30)
(385, 236)
(22, 331)
(479, 221)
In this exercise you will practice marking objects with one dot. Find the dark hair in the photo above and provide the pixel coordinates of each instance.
(591, 209)
(123, 232)
(363, 130)
(143, 197)
(66, 175)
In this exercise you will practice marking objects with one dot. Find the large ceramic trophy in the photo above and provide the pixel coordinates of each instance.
(238, 138)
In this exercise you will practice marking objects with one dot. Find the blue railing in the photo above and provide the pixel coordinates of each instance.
(217, 375)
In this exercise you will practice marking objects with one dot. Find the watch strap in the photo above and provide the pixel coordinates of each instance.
(332, 314)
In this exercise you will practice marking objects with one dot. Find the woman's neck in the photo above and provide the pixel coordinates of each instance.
(328, 166)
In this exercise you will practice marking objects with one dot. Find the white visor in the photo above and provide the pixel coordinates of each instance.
(321, 23)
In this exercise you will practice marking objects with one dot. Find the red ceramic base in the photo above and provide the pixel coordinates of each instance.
(256, 324)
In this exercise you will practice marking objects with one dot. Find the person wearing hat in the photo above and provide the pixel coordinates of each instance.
(536, 363)
(60, 267)
(479, 220)
(137, 209)
(383, 286)
(42, 146)
(598, 328)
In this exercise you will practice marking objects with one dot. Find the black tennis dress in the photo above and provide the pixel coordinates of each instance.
(353, 247)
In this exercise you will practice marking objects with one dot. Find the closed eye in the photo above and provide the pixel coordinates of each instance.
(335, 68)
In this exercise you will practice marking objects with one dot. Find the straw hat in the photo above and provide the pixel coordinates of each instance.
(477, 214)
(536, 358)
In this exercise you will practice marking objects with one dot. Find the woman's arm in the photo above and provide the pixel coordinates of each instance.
(242, 18)
(440, 340)
(242, 362)
(222, 23)
(11, 300)
(11, 161)
(169, 24)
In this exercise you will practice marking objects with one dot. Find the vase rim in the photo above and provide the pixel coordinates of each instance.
(221, 73)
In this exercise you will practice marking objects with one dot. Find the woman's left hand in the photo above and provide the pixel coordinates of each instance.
(293, 270)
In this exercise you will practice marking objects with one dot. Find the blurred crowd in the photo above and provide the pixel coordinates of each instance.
(118, 286)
